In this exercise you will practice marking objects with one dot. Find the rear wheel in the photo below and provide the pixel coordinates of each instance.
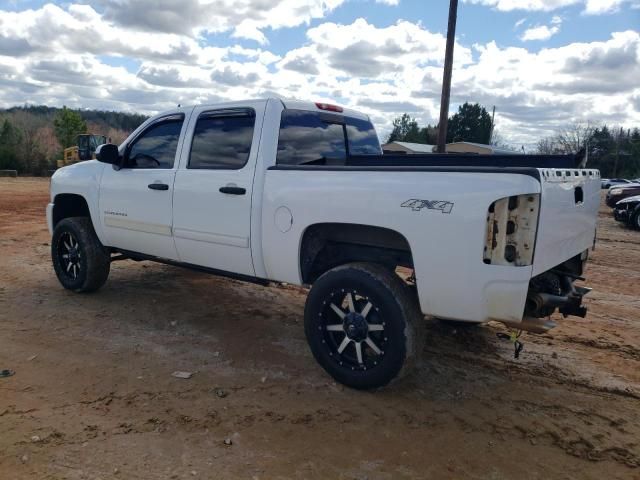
(80, 261)
(363, 325)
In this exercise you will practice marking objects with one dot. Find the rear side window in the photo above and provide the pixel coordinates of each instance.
(222, 140)
(318, 138)
(308, 138)
(363, 139)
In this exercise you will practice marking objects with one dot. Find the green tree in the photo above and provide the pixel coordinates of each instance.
(429, 134)
(472, 123)
(405, 129)
(67, 125)
(9, 141)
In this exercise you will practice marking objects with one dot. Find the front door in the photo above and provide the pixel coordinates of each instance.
(136, 200)
(212, 190)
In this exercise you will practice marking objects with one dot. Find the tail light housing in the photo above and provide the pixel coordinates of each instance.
(511, 230)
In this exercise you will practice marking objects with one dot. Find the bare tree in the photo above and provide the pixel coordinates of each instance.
(573, 137)
(497, 140)
(547, 146)
(30, 151)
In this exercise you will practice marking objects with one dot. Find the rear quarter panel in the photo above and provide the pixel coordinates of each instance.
(447, 248)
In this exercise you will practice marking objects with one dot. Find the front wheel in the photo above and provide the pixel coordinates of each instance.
(363, 325)
(80, 261)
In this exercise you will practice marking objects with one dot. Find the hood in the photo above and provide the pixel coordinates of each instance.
(625, 187)
(635, 198)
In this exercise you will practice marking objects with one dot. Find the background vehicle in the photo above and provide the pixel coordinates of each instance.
(300, 193)
(610, 182)
(618, 192)
(628, 211)
(84, 149)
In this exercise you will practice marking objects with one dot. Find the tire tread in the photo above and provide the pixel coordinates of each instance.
(97, 259)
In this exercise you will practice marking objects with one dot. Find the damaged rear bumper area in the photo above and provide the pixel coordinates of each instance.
(555, 290)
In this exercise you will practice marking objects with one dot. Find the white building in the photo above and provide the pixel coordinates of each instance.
(456, 147)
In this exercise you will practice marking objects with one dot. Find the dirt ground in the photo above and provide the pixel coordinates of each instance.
(93, 396)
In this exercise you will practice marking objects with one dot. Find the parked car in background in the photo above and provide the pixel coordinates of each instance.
(628, 211)
(618, 192)
(610, 182)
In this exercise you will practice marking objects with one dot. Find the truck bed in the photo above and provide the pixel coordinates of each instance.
(466, 160)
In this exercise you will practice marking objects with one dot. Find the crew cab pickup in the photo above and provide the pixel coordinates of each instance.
(297, 192)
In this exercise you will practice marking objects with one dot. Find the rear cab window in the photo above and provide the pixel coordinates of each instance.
(320, 138)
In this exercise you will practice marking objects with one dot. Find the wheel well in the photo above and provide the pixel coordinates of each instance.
(69, 205)
(327, 245)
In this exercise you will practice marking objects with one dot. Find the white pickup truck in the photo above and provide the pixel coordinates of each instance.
(297, 192)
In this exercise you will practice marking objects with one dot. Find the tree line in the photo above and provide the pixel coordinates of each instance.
(472, 123)
(615, 151)
(32, 138)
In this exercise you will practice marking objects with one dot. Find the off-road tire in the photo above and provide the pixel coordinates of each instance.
(394, 324)
(93, 260)
(634, 221)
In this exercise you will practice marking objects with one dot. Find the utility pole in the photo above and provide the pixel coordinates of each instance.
(446, 78)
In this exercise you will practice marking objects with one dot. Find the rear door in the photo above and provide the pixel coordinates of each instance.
(569, 204)
(213, 187)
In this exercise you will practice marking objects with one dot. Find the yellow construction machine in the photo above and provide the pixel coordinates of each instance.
(85, 149)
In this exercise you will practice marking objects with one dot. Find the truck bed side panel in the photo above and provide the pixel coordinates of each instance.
(446, 243)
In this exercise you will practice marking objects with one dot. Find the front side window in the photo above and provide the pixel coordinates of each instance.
(309, 138)
(157, 146)
(222, 140)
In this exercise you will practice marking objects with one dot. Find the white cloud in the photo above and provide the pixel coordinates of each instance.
(541, 32)
(593, 7)
(55, 56)
(597, 7)
(246, 18)
(519, 23)
(388, 2)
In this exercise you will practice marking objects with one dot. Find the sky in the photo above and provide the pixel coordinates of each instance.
(543, 64)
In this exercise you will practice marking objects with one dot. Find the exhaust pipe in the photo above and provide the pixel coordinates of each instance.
(538, 301)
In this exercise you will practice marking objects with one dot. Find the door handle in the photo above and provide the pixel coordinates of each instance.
(233, 190)
(158, 186)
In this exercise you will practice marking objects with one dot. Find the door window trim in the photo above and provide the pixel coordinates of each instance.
(236, 112)
(154, 123)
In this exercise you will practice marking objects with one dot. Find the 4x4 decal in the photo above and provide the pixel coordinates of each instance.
(417, 205)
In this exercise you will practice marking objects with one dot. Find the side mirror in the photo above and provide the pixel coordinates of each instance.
(108, 153)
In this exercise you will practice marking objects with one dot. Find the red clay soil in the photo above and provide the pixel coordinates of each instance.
(93, 396)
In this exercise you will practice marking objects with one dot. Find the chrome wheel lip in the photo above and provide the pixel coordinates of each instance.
(361, 347)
